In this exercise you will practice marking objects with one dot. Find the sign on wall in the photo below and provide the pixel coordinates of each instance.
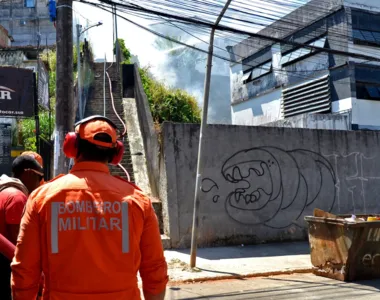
(16, 92)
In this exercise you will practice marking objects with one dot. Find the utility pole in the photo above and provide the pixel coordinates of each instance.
(64, 86)
(81, 103)
(198, 180)
(79, 28)
(117, 46)
(104, 85)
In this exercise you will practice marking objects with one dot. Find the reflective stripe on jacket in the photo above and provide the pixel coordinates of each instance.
(89, 233)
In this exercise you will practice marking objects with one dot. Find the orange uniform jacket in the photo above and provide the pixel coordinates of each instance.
(89, 233)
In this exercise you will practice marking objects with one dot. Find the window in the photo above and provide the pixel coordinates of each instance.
(261, 70)
(367, 91)
(257, 72)
(302, 52)
(247, 76)
(29, 3)
(365, 37)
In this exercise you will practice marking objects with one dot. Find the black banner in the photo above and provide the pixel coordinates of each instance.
(16, 92)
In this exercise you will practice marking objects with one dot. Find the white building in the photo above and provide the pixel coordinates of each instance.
(273, 82)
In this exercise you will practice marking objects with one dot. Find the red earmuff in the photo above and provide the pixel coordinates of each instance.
(118, 154)
(70, 147)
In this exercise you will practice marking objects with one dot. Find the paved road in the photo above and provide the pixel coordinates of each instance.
(238, 261)
(290, 287)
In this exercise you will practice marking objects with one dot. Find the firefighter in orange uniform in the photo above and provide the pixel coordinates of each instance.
(89, 232)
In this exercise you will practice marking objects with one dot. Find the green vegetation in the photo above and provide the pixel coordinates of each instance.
(27, 127)
(169, 104)
(25, 135)
(126, 54)
(166, 103)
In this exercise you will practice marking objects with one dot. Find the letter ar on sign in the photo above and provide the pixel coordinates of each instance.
(89, 223)
(5, 95)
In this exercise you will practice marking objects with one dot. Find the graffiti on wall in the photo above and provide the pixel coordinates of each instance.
(358, 182)
(274, 187)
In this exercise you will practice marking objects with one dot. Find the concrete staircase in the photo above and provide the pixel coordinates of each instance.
(95, 106)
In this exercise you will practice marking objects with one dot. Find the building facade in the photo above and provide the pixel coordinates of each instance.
(28, 22)
(272, 82)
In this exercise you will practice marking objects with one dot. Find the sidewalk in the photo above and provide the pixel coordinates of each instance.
(239, 261)
(284, 287)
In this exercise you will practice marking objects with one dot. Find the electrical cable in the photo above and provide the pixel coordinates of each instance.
(122, 122)
(277, 16)
(234, 30)
(125, 171)
(205, 51)
(201, 50)
(134, 6)
(114, 108)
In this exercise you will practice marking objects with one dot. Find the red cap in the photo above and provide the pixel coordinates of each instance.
(36, 156)
(89, 130)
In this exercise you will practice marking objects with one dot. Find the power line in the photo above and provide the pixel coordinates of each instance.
(234, 30)
(335, 36)
(296, 73)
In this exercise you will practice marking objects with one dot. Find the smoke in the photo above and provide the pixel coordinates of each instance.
(185, 68)
(176, 66)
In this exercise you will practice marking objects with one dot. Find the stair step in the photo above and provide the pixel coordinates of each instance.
(96, 106)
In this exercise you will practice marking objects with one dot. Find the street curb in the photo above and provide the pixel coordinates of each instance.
(252, 275)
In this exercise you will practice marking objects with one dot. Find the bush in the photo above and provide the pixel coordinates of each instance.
(28, 129)
(169, 104)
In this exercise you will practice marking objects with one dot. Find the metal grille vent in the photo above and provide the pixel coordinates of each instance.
(310, 97)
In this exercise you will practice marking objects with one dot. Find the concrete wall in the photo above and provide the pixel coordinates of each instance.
(146, 133)
(316, 121)
(24, 23)
(12, 58)
(366, 114)
(259, 182)
(260, 110)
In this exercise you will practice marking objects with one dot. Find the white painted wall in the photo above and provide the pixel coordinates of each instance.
(316, 121)
(259, 110)
(238, 89)
(341, 105)
(366, 113)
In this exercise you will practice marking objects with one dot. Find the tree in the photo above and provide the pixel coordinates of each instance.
(169, 104)
(28, 129)
(166, 103)
(126, 54)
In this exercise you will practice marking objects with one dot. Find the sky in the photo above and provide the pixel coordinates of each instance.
(140, 43)
(137, 40)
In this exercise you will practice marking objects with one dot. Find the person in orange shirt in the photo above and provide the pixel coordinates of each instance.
(89, 232)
